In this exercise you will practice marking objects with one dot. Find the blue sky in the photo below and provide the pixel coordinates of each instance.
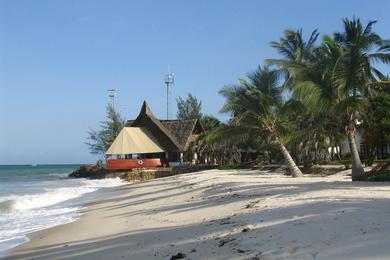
(58, 58)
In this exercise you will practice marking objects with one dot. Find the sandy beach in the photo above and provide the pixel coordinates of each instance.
(236, 214)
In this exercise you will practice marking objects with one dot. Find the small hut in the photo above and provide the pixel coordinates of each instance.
(150, 142)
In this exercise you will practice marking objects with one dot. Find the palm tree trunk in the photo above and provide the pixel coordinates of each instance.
(295, 171)
(357, 167)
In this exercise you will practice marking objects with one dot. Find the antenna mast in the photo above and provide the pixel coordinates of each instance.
(111, 95)
(168, 80)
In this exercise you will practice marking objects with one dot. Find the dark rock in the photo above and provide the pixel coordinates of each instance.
(225, 241)
(100, 171)
(251, 204)
(178, 256)
(246, 230)
(89, 171)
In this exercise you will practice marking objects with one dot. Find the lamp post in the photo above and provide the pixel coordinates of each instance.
(168, 80)
(111, 94)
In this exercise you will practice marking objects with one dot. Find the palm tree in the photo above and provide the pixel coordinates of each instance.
(294, 48)
(353, 72)
(314, 88)
(202, 145)
(256, 105)
(336, 78)
(298, 54)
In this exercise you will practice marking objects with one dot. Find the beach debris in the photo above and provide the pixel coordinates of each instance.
(257, 256)
(315, 254)
(178, 256)
(245, 230)
(225, 241)
(242, 251)
(251, 204)
(225, 221)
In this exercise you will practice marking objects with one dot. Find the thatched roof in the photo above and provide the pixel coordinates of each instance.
(173, 135)
(183, 129)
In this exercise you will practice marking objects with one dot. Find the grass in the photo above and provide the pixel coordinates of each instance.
(383, 176)
(231, 167)
(321, 172)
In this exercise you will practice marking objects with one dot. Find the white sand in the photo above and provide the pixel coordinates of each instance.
(203, 215)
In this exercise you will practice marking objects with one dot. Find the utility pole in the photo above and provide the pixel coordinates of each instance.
(111, 95)
(169, 80)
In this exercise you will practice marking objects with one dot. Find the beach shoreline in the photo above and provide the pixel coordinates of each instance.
(237, 214)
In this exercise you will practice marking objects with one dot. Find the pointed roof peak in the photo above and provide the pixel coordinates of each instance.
(146, 109)
(172, 134)
(147, 114)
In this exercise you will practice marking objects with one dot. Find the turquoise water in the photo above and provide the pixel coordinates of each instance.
(28, 178)
(14, 171)
(36, 197)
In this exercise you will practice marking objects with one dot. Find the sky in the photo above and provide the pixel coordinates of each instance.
(58, 58)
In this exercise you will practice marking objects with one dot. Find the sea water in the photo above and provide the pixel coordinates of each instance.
(36, 197)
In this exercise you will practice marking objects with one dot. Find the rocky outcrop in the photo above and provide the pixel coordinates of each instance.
(90, 171)
(134, 175)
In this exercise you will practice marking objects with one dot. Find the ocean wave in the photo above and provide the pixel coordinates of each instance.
(53, 196)
(59, 174)
(6, 205)
(14, 226)
(22, 214)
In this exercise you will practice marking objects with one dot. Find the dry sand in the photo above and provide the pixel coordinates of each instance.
(226, 215)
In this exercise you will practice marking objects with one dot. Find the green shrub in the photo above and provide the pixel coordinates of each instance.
(231, 166)
(385, 176)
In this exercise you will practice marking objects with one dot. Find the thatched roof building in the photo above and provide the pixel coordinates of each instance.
(173, 135)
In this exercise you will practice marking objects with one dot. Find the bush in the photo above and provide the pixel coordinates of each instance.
(231, 166)
(382, 160)
(385, 176)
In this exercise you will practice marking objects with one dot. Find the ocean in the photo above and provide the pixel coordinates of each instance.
(36, 197)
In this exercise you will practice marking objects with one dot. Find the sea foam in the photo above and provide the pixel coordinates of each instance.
(22, 214)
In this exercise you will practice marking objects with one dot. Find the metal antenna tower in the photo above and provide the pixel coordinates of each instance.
(168, 80)
(111, 95)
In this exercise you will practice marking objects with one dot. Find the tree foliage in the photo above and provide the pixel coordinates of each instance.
(258, 109)
(100, 140)
(189, 108)
(327, 93)
(332, 81)
(376, 124)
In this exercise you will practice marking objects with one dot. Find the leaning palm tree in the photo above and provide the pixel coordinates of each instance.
(315, 89)
(256, 105)
(298, 57)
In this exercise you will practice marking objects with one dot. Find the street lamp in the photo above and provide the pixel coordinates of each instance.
(168, 80)
(111, 95)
